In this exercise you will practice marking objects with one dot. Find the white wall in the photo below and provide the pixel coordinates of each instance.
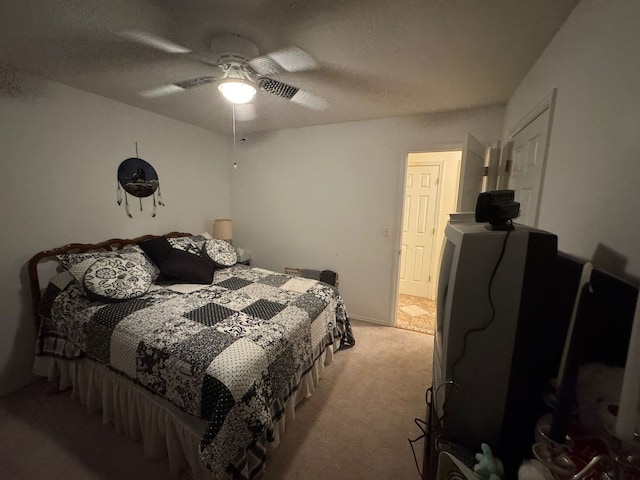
(319, 197)
(591, 192)
(59, 152)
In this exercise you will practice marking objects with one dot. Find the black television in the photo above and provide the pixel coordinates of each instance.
(493, 318)
(493, 371)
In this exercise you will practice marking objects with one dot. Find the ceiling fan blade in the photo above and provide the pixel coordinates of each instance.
(196, 82)
(301, 97)
(177, 87)
(291, 59)
(153, 41)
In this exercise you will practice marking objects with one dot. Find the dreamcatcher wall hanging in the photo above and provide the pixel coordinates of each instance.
(138, 178)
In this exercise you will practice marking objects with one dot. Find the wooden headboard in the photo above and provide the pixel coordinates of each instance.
(113, 244)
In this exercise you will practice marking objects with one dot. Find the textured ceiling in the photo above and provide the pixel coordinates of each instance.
(378, 58)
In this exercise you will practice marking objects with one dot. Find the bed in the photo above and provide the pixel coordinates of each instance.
(199, 357)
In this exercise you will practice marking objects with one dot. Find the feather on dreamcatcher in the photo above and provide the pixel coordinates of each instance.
(138, 178)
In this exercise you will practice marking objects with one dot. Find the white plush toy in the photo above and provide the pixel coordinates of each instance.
(488, 466)
(491, 468)
(534, 470)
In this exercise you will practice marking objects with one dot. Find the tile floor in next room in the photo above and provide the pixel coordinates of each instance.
(416, 313)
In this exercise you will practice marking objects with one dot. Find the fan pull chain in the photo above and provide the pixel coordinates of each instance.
(233, 119)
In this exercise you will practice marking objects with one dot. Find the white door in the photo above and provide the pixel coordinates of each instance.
(528, 159)
(418, 229)
(471, 173)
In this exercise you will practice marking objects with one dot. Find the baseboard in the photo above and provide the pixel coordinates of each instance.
(370, 320)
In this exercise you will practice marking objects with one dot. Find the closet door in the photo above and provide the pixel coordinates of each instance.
(528, 158)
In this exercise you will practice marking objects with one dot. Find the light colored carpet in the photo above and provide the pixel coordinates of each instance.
(356, 425)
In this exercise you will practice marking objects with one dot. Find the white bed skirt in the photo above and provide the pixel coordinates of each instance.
(164, 430)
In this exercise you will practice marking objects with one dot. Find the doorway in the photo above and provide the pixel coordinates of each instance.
(430, 194)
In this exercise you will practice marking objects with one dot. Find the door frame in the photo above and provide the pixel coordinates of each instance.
(395, 279)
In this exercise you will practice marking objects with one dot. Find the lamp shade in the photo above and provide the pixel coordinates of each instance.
(223, 229)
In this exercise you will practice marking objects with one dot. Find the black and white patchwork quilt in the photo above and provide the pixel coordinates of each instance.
(231, 352)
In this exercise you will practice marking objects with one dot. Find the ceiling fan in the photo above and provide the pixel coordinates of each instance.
(241, 70)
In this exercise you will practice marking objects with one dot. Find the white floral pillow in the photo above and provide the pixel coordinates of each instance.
(134, 252)
(115, 279)
(78, 263)
(221, 252)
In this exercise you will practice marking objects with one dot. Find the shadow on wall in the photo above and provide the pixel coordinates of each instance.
(608, 260)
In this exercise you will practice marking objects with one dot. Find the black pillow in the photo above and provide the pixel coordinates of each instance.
(157, 249)
(186, 267)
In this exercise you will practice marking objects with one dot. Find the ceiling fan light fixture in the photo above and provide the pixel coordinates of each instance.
(237, 90)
